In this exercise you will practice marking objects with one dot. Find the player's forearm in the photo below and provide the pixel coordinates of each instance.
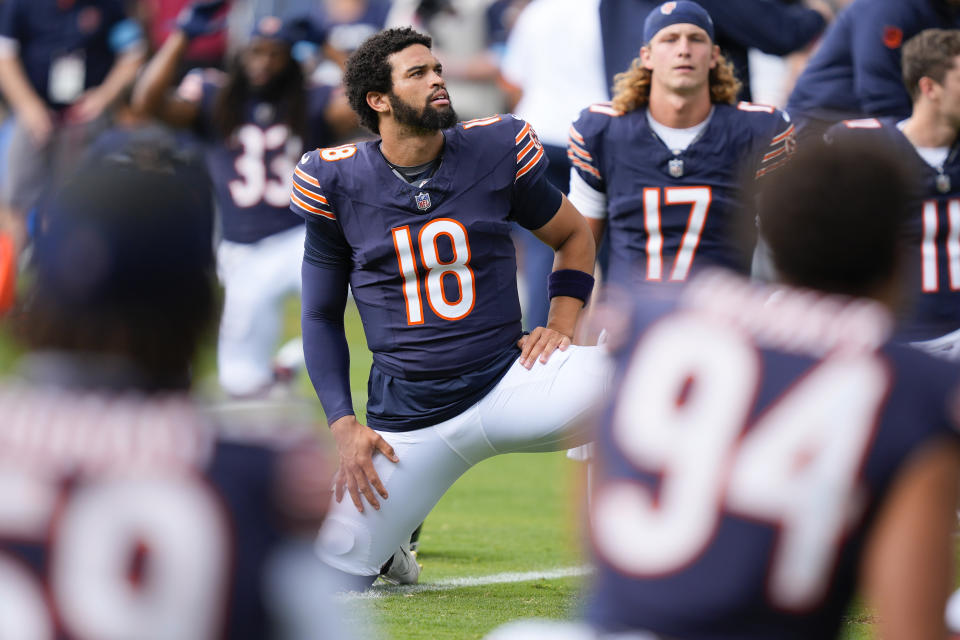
(325, 348)
(150, 91)
(16, 87)
(122, 74)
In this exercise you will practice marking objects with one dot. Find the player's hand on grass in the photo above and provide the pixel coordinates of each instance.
(541, 343)
(356, 445)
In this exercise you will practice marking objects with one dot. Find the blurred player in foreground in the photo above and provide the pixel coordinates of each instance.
(255, 121)
(928, 141)
(417, 223)
(125, 512)
(768, 449)
(661, 164)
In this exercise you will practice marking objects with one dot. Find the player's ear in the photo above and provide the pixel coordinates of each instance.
(927, 86)
(714, 57)
(645, 58)
(377, 100)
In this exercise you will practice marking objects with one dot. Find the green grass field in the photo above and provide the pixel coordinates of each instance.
(501, 545)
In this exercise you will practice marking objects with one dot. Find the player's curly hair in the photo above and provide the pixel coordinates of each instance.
(631, 88)
(928, 54)
(367, 69)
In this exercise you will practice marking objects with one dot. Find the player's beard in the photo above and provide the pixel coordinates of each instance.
(427, 119)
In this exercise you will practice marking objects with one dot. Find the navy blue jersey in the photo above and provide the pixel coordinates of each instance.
(748, 448)
(347, 35)
(252, 169)
(127, 516)
(93, 31)
(856, 69)
(933, 287)
(669, 213)
(432, 268)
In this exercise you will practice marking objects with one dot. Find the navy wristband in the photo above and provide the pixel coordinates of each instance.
(570, 282)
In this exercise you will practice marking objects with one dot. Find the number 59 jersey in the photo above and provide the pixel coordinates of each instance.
(752, 441)
(432, 265)
(130, 517)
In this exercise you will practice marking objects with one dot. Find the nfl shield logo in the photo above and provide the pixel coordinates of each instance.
(667, 8)
(675, 167)
(423, 200)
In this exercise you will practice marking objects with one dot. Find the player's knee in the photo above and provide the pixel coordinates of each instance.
(345, 545)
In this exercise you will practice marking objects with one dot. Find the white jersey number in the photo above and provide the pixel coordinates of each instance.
(435, 270)
(129, 557)
(258, 182)
(699, 199)
(928, 248)
(682, 414)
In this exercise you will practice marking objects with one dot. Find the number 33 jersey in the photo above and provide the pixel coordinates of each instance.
(432, 266)
(749, 447)
(251, 169)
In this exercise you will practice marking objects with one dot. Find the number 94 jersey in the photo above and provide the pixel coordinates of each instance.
(750, 444)
(432, 266)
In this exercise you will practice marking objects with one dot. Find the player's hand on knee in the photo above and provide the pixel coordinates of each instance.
(541, 343)
(356, 446)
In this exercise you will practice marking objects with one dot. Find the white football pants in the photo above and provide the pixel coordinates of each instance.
(256, 278)
(540, 409)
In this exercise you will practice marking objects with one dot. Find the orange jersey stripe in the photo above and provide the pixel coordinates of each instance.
(530, 164)
(310, 194)
(774, 154)
(776, 165)
(580, 151)
(523, 132)
(576, 135)
(306, 207)
(583, 165)
(306, 177)
(783, 136)
(525, 151)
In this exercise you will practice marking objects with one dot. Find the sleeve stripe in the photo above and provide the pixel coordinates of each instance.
(580, 151)
(783, 136)
(310, 209)
(527, 167)
(306, 177)
(310, 194)
(773, 154)
(525, 151)
(523, 132)
(575, 135)
(577, 162)
(773, 167)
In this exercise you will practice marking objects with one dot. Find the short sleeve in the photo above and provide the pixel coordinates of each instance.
(307, 197)
(535, 201)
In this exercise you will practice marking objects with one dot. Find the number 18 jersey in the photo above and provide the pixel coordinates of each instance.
(431, 265)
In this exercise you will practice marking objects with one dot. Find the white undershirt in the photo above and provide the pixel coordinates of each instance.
(933, 156)
(678, 139)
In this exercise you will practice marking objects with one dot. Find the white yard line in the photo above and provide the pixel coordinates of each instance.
(381, 590)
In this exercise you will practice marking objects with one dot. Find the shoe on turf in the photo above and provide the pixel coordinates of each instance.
(401, 568)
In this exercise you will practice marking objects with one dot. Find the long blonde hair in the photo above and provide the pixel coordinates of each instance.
(631, 88)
